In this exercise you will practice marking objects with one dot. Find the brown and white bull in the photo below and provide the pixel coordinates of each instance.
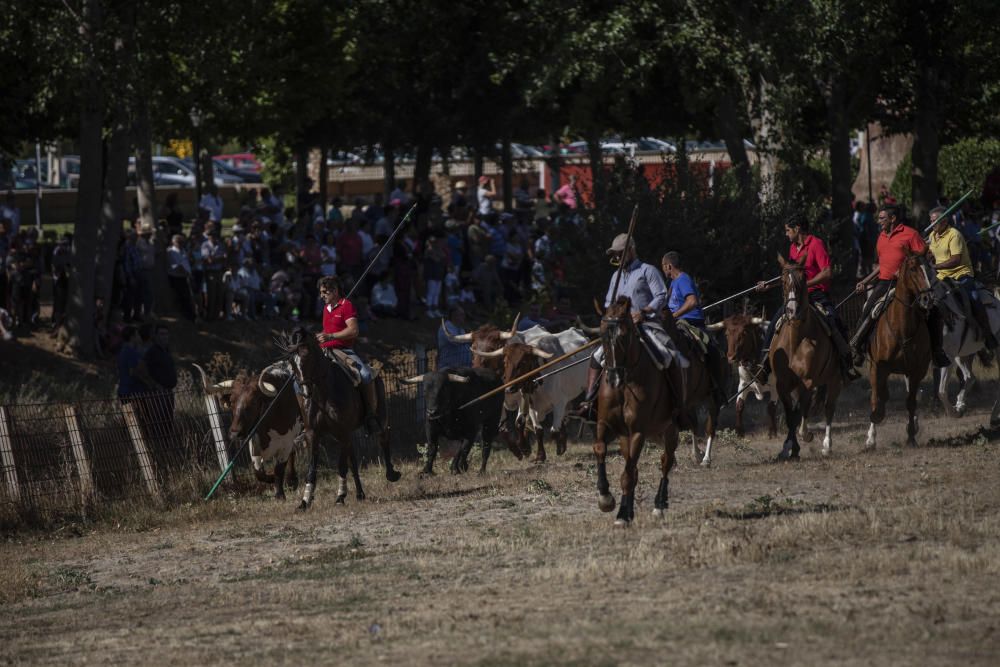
(743, 344)
(276, 437)
(542, 405)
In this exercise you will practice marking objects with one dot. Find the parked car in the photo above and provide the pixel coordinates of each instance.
(241, 161)
(245, 175)
(168, 170)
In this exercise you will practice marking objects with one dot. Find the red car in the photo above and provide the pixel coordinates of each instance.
(241, 161)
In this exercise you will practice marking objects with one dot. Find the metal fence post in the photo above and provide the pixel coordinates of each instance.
(7, 457)
(139, 442)
(214, 420)
(79, 455)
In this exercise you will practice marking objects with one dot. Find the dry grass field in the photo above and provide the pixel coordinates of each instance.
(887, 557)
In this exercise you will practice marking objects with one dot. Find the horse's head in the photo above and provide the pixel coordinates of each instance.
(303, 351)
(915, 281)
(618, 333)
(793, 286)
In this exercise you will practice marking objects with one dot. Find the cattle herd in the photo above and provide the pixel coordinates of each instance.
(485, 402)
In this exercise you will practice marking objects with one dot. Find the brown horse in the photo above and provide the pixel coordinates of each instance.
(635, 399)
(334, 407)
(901, 344)
(803, 358)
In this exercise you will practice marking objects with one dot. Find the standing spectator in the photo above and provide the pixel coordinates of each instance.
(179, 275)
(453, 355)
(213, 256)
(485, 195)
(147, 253)
(452, 286)
(162, 376)
(566, 195)
(458, 207)
(6, 324)
(403, 270)
(454, 241)
(62, 256)
(524, 205)
(328, 255)
(510, 270)
(334, 216)
(24, 286)
(479, 242)
(487, 282)
(387, 222)
(212, 202)
(132, 374)
(10, 212)
(250, 291)
(435, 261)
(272, 207)
(6, 242)
(312, 259)
(349, 250)
(384, 301)
(131, 270)
(400, 193)
(171, 212)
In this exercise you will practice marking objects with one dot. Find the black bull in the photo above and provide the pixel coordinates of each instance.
(447, 389)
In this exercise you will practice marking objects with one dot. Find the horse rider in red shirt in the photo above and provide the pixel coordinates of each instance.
(340, 330)
(818, 274)
(894, 243)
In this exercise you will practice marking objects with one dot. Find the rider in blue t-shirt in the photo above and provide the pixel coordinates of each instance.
(684, 301)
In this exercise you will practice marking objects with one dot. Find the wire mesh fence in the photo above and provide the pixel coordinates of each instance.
(64, 456)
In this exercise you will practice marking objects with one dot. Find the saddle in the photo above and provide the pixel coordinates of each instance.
(661, 348)
(882, 304)
(821, 315)
(697, 337)
(347, 364)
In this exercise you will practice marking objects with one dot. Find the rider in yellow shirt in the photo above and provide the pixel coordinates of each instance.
(952, 261)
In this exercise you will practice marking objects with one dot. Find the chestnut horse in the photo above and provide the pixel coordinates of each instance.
(333, 406)
(901, 344)
(803, 358)
(635, 399)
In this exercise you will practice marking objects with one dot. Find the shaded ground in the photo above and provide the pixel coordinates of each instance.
(889, 557)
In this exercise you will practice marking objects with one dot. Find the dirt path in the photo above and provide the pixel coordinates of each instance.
(889, 557)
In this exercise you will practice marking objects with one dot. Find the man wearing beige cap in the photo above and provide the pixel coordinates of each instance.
(643, 284)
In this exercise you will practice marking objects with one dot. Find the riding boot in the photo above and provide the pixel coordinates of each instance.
(764, 373)
(858, 342)
(845, 353)
(983, 320)
(368, 395)
(586, 407)
(938, 356)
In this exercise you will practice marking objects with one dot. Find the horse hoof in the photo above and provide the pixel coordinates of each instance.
(426, 473)
(279, 496)
(303, 506)
(292, 484)
(621, 523)
(911, 442)
(784, 457)
(393, 475)
(657, 513)
(606, 503)
(340, 500)
(827, 452)
(706, 463)
(807, 436)
(360, 497)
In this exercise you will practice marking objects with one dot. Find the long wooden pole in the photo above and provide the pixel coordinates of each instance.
(621, 257)
(769, 281)
(388, 243)
(948, 211)
(547, 364)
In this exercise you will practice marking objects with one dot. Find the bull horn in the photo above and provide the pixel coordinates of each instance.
(454, 377)
(461, 338)
(224, 387)
(541, 354)
(591, 331)
(266, 387)
(758, 320)
(715, 326)
(494, 353)
(507, 335)
(416, 379)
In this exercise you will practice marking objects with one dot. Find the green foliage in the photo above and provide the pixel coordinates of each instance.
(902, 182)
(965, 164)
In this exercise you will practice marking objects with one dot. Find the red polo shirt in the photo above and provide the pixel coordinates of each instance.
(335, 320)
(892, 249)
(817, 259)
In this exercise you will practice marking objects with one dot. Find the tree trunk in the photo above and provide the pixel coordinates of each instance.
(422, 168)
(767, 137)
(507, 182)
(324, 177)
(389, 172)
(145, 190)
(926, 143)
(80, 311)
(207, 167)
(555, 164)
(477, 167)
(729, 127)
(840, 151)
(112, 207)
(596, 157)
(301, 173)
